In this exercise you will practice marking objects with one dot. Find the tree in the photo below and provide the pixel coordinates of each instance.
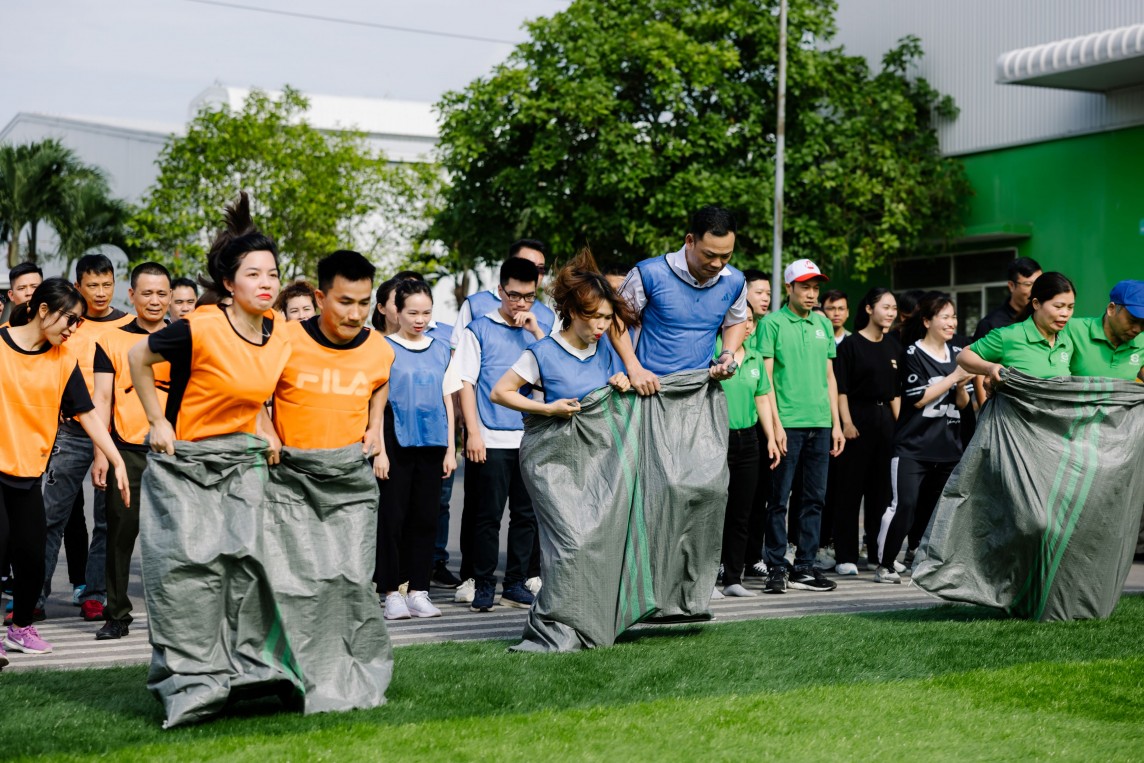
(614, 121)
(35, 178)
(86, 217)
(313, 192)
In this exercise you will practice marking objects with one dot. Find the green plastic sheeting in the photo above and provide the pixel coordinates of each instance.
(630, 495)
(258, 579)
(1040, 517)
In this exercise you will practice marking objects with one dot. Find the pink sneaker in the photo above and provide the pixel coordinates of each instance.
(26, 640)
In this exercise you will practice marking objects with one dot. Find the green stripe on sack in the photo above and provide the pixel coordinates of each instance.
(277, 651)
(636, 596)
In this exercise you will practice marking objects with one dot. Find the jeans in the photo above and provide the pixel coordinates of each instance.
(68, 468)
(440, 545)
(810, 449)
(500, 479)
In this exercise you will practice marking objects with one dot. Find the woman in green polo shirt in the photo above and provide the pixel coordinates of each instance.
(748, 402)
(1039, 345)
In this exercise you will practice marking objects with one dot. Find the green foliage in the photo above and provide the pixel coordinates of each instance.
(615, 121)
(312, 191)
(46, 181)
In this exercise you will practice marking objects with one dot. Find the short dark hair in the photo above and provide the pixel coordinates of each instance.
(96, 264)
(714, 220)
(833, 296)
(148, 269)
(296, 289)
(527, 243)
(406, 288)
(518, 269)
(753, 274)
(184, 281)
(346, 263)
(1022, 266)
(23, 269)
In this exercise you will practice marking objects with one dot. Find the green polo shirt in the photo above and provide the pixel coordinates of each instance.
(1094, 355)
(1022, 347)
(750, 381)
(800, 348)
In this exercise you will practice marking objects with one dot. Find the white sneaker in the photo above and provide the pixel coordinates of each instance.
(737, 590)
(419, 605)
(846, 568)
(716, 594)
(823, 560)
(759, 569)
(883, 575)
(898, 566)
(395, 607)
(790, 552)
(465, 592)
(533, 585)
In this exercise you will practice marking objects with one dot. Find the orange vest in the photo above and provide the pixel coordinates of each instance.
(230, 378)
(322, 399)
(31, 390)
(127, 414)
(82, 342)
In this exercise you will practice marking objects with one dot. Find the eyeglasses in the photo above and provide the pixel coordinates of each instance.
(540, 269)
(1025, 284)
(74, 321)
(516, 296)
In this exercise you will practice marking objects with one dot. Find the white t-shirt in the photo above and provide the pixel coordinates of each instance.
(528, 369)
(452, 381)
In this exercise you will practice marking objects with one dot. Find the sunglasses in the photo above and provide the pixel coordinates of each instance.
(74, 321)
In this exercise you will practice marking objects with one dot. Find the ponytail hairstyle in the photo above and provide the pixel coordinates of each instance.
(578, 288)
(861, 317)
(928, 306)
(405, 289)
(59, 294)
(233, 243)
(1047, 286)
(383, 292)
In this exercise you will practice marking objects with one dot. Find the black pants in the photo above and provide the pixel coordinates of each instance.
(75, 542)
(407, 514)
(23, 531)
(757, 524)
(500, 480)
(917, 488)
(122, 532)
(830, 507)
(469, 513)
(743, 463)
(862, 471)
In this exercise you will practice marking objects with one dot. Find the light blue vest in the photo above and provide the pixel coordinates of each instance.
(501, 345)
(442, 332)
(680, 322)
(563, 375)
(416, 399)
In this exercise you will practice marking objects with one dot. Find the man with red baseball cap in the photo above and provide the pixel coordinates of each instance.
(798, 351)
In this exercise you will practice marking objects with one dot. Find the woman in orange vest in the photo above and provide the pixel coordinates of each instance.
(226, 358)
(39, 381)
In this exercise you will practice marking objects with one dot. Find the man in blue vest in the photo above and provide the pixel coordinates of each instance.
(487, 347)
(685, 299)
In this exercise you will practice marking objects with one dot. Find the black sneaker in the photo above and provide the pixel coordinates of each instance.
(811, 579)
(442, 578)
(776, 579)
(112, 629)
(516, 595)
(484, 596)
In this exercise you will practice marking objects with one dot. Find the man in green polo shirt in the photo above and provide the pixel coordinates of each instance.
(798, 351)
(1112, 345)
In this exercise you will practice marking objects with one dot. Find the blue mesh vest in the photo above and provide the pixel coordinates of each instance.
(501, 345)
(484, 302)
(563, 375)
(680, 322)
(416, 400)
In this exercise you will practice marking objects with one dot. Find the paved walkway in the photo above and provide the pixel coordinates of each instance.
(76, 647)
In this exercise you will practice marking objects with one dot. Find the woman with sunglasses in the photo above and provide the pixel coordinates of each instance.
(40, 380)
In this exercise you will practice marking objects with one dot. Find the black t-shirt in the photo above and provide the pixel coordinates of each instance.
(315, 332)
(74, 401)
(999, 318)
(868, 371)
(932, 433)
(174, 344)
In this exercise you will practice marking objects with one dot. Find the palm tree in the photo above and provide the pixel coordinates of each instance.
(85, 217)
(33, 179)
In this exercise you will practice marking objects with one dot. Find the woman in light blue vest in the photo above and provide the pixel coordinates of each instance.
(418, 451)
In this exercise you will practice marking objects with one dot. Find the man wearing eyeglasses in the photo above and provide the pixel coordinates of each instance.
(486, 349)
(1022, 272)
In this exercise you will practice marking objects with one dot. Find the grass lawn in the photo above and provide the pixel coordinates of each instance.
(951, 683)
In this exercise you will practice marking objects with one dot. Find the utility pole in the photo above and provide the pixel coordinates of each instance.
(780, 157)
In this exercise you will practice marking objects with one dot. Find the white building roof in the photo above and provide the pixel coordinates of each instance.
(1099, 62)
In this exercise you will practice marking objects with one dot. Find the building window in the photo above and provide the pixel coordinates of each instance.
(977, 281)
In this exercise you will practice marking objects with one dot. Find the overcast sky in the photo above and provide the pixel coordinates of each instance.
(146, 59)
